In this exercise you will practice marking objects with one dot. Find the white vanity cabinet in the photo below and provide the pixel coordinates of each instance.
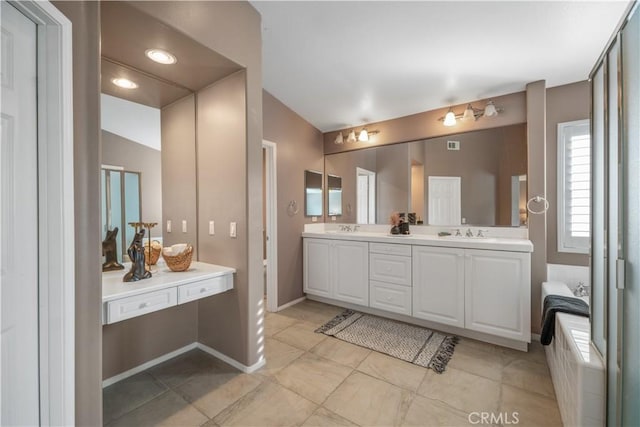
(390, 277)
(337, 269)
(497, 293)
(439, 284)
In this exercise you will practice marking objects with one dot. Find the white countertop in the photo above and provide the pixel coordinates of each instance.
(114, 288)
(488, 243)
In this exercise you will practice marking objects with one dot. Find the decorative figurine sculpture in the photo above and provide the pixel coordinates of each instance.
(136, 253)
(110, 252)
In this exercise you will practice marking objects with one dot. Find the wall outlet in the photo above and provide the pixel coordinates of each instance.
(334, 218)
(168, 226)
(232, 230)
(314, 219)
(184, 225)
(212, 228)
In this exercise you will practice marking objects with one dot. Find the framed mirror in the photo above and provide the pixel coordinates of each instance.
(334, 191)
(312, 193)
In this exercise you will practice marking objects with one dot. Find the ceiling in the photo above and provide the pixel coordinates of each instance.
(126, 33)
(342, 64)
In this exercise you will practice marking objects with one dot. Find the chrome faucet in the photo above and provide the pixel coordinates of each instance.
(581, 290)
(355, 228)
(469, 233)
(481, 233)
(458, 234)
(345, 228)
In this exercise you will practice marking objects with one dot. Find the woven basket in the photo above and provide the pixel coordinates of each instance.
(152, 255)
(180, 262)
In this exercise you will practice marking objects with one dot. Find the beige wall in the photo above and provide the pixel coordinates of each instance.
(134, 157)
(299, 147)
(564, 104)
(232, 29)
(178, 129)
(393, 176)
(85, 18)
(135, 341)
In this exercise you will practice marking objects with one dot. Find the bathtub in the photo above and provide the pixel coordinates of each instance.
(577, 369)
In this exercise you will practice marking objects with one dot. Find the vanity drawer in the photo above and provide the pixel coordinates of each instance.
(390, 297)
(386, 248)
(126, 308)
(390, 268)
(204, 288)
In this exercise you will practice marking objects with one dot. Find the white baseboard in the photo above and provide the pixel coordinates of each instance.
(151, 363)
(291, 303)
(535, 337)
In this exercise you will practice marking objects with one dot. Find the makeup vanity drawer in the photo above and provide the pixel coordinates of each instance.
(392, 249)
(204, 288)
(126, 308)
(390, 297)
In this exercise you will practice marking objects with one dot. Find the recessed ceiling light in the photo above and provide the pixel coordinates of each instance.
(161, 56)
(124, 83)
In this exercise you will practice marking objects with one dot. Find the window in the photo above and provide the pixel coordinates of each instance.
(574, 181)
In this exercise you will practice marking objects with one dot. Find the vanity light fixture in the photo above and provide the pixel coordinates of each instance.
(363, 136)
(160, 56)
(124, 83)
(470, 114)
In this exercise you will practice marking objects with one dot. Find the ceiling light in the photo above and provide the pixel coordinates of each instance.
(160, 56)
(490, 110)
(363, 136)
(339, 139)
(124, 83)
(450, 118)
(470, 114)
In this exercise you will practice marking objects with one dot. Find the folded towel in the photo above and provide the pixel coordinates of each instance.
(559, 304)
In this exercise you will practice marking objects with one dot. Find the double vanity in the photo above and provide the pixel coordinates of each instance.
(474, 287)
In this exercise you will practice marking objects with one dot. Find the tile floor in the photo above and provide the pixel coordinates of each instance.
(314, 380)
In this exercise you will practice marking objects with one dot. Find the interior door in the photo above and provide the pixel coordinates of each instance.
(445, 205)
(18, 222)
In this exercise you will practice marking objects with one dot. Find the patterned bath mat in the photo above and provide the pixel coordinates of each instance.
(414, 344)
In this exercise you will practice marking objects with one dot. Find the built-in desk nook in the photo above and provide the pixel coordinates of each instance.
(124, 300)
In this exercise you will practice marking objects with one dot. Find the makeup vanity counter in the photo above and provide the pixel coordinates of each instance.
(124, 300)
(474, 287)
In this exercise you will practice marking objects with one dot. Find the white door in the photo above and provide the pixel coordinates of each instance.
(366, 196)
(316, 267)
(19, 222)
(438, 284)
(350, 269)
(444, 200)
(498, 293)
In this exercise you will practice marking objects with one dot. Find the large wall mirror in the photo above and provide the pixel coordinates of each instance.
(477, 178)
(156, 116)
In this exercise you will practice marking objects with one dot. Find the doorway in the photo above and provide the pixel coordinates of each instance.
(36, 217)
(366, 196)
(270, 224)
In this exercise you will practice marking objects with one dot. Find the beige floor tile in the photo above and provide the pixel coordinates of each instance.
(461, 390)
(535, 354)
(395, 371)
(301, 335)
(486, 362)
(269, 405)
(427, 412)
(341, 351)
(179, 369)
(129, 394)
(479, 345)
(325, 418)
(530, 376)
(169, 409)
(532, 409)
(213, 393)
(313, 377)
(275, 323)
(312, 311)
(368, 401)
(278, 355)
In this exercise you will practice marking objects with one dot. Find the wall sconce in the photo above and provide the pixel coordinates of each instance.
(470, 114)
(363, 136)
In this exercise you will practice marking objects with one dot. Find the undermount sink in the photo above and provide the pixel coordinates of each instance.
(470, 239)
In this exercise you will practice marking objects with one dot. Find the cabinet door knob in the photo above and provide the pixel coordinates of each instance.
(143, 305)
(203, 290)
